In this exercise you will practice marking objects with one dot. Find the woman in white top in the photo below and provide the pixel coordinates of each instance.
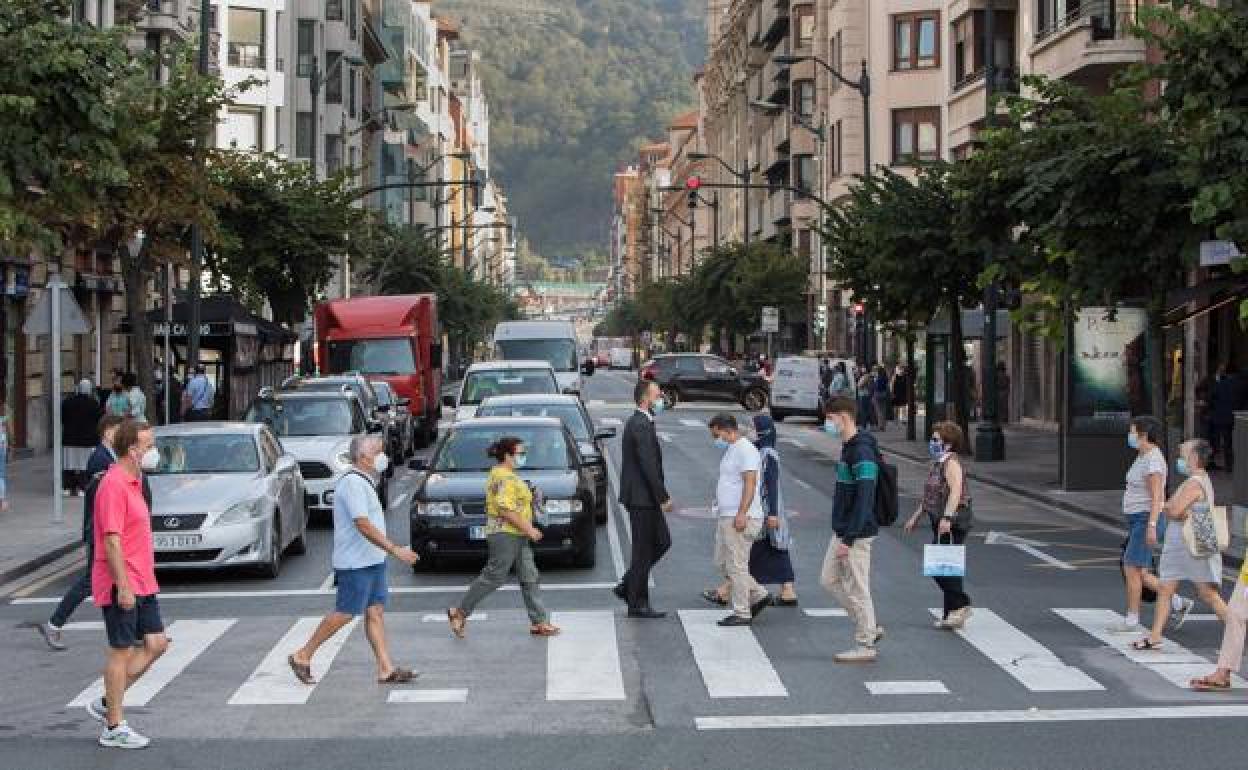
(1142, 501)
(1193, 497)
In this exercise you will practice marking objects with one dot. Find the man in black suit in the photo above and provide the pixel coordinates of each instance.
(643, 493)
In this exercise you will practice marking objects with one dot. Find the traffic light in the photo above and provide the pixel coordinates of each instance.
(821, 317)
(692, 184)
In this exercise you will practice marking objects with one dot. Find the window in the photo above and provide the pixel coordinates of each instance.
(837, 57)
(1053, 15)
(916, 43)
(333, 77)
(804, 98)
(969, 60)
(152, 42)
(838, 147)
(353, 19)
(333, 153)
(246, 47)
(803, 243)
(805, 15)
(333, 10)
(351, 95)
(307, 44)
(916, 135)
(804, 173)
(303, 135)
(243, 129)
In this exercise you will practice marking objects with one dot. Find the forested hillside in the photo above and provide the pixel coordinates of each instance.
(574, 86)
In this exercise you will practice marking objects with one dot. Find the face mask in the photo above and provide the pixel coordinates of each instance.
(935, 448)
(520, 460)
(720, 443)
(658, 406)
(1181, 467)
(150, 460)
(381, 462)
(832, 428)
(1133, 441)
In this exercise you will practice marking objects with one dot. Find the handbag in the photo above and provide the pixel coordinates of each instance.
(781, 538)
(944, 560)
(1205, 530)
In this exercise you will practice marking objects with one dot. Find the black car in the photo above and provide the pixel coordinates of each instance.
(448, 508)
(702, 377)
(571, 410)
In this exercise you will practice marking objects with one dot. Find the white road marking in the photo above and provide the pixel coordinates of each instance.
(597, 402)
(1027, 546)
(1172, 662)
(397, 503)
(613, 506)
(191, 637)
(793, 442)
(1012, 716)
(692, 423)
(1020, 656)
(802, 484)
(825, 612)
(583, 661)
(440, 617)
(428, 696)
(84, 625)
(613, 422)
(76, 565)
(273, 683)
(732, 662)
(667, 437)
(907, 688)
(327, 584)
(292, 592)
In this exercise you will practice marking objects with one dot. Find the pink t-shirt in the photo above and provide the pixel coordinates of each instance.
(121, 510)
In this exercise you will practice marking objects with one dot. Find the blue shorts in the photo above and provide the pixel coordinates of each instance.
(359, 589)
(126, 628)
(1138, 552)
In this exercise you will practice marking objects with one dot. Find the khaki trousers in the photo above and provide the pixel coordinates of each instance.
(732, 559)
(849, 581)
(1236, 623)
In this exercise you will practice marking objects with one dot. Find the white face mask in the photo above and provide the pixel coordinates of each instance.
(150, 460)
(380, 463)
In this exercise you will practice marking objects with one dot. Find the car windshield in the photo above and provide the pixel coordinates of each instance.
(559, 353)
(465, 448)
(207, 453)
(383, 394)
(306, 416)
(364, 393)
(571, 415)
(505, 382)
(383, 356)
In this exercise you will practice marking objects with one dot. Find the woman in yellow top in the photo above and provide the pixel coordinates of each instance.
(508, 532)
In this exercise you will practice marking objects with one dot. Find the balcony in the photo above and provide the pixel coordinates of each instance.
(1088, 44)
(968, 104)
(168, 17)
(780, 208)
(774, 26)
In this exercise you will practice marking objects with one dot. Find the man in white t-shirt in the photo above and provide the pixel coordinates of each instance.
(739, 518)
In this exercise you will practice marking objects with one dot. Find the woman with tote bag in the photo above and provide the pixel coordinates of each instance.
(947, 504)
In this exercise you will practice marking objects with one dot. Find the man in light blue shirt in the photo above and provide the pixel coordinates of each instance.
(199, 396)
(359, 561)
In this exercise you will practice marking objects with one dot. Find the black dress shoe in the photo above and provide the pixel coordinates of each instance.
(734, 620)
(760, 605)
(646, 612)
(618, 590)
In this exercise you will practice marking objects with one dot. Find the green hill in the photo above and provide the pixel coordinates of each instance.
(574, 87)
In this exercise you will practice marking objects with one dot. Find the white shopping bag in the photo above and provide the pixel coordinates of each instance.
(944, 560)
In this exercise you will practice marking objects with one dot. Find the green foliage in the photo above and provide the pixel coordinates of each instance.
(282, 232)
(623, 320)
(574, 87)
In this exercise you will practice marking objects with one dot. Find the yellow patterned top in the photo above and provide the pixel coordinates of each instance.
(504, 491)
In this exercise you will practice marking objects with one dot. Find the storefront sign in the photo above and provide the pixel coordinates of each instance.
(180, 330)
(1108, 370)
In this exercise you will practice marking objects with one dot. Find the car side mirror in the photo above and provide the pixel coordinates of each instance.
(448, 401)
(418, 464)
(286, 463)
(604, 433)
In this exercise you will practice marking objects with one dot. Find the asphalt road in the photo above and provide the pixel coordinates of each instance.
(1030, 684)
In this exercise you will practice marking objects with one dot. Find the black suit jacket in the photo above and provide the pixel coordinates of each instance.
(641, 465)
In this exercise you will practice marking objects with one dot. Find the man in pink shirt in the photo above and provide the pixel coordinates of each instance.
(123, 580)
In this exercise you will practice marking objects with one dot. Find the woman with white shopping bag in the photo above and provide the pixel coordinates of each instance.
(947, 504)
(1191, 549)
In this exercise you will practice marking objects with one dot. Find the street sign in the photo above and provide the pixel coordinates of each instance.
(39, 320)
(1216, 253)
(771, 320)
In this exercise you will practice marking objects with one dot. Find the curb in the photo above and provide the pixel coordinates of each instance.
(35, 562)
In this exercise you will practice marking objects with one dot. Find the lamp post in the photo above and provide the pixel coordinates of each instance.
(316, 79)
(989, 439)
(742, 176)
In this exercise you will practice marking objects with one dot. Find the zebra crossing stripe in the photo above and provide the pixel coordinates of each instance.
(907, 688)
(190, 638)
(583, 661)
(428, 696)
(732, 662)
(1172, 662)
(273, 683)
(1020, 656)
(692, 423)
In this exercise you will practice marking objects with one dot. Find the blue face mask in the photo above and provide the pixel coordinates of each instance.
(658, 406)
(1181, 467)
(521, 460)
(832, 428)
(1133, 441)
(935, 448)
(721, 443)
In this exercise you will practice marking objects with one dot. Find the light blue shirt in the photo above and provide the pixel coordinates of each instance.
(356, 498)
(200, 391)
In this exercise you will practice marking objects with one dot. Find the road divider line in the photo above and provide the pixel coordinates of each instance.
(583, 661)
(440, 617)
(297, 592)
(274, 684)
(803, 484)
(190, 638)
(98, 625)
(613, 508)
(428, 696)
(732, 662)
(1022, 657)
(692, 423)
(932, 687)
(825, 612)
(1011, 716)
(327, 584)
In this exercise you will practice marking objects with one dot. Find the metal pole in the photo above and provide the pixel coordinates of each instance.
(745, 196)
(54, 337)
(715, 220)
(168, 334)
(864, 88)
(197, 234)
(989, 440)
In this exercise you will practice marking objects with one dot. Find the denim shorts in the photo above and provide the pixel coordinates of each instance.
(126, 628)
(359, 589)
(1138, 552)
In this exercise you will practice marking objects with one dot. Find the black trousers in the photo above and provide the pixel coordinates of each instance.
(651, 540)
(951, 587)
(1221, 437)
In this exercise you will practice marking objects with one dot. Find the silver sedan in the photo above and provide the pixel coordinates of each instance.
(225, 495)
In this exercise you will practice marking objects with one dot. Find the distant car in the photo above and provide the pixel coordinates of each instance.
(317, 428)
(364, 391)
(448, 507)
(500, 378)
(796, 388)
(621, 358)
(576, 419)
(402, 436)
(703, 377)
(225, 494)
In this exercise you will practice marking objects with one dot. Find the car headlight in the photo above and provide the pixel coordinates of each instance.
(441, 509)
(237, 514)
(562, 506)
(343, 459)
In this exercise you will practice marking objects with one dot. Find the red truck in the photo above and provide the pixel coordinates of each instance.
(396, 339)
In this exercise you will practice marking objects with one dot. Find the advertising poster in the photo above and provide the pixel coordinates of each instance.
(1108, 370)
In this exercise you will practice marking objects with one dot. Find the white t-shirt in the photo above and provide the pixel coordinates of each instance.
(1136, 497)
(355, 497)
(739, 458)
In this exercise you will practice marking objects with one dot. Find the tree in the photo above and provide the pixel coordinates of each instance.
(282, 231)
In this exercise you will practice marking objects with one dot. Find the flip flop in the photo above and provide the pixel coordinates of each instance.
(399, 676)
(544, 629)
(303, 672)
(1146, 645)
(712, 596)
(1209, 684)
(457, 620)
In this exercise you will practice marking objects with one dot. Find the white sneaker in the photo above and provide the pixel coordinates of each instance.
(97, 709)
(860, 654)
(1179, 616)
(957, 619)
(123, 737)
(1122, 627)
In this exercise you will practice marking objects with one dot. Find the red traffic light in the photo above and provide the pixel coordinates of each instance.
(859, 308)
(693, 183)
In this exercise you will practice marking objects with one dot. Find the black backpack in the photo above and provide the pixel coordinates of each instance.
(886, 503)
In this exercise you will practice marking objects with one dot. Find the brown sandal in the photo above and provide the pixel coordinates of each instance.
(544, 629)
(303, 672)
(457, 619)
(1209, 684)
(399, 676)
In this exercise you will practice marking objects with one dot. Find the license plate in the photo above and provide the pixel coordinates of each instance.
(178, 541)
(476, 533)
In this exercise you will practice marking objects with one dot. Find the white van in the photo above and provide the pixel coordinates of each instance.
(500, 378)
(621, 358)
(551, 341)
(795, 389)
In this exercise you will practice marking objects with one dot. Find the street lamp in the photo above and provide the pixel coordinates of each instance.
(316, 79)
(989, 438)
(742, 176)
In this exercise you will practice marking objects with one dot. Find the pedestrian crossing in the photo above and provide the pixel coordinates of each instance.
(584, 664)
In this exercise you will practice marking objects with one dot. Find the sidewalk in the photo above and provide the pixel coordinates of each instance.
(30, 539)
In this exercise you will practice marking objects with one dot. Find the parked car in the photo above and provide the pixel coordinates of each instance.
(399, 412)
(703, 377)
(448, 507)
(576, 419)
(500, 378)
(317, 428)
(225, 494)
(379, 419)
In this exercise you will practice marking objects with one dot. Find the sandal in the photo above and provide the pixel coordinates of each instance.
(303, 672)
(1146, 644)
(543, 629)
(457, 619)
(399, 676)
(712, 596)
(780, 601)
(1209, 684)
